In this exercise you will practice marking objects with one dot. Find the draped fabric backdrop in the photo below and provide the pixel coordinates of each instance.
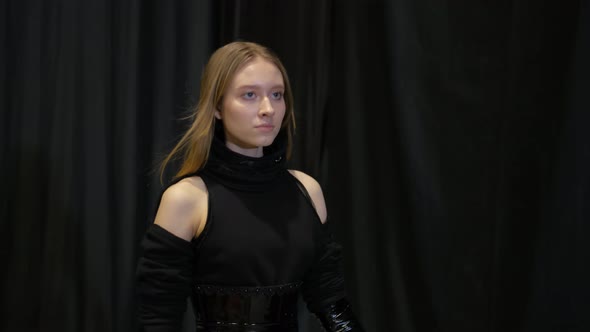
(450, 139)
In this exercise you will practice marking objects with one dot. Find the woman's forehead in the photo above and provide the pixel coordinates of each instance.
(258, 71)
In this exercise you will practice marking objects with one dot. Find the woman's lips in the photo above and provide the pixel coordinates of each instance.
(265, 127)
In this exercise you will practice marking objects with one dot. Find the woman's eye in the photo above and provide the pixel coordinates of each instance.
(277, 95)
(249, 95)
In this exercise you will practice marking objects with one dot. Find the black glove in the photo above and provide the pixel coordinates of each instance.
(323, 286)
(164, 278)
(338, 317)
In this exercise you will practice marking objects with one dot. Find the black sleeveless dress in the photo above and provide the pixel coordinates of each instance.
(260, 225)
(262, 245)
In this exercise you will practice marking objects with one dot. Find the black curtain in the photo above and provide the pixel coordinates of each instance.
(450, 139)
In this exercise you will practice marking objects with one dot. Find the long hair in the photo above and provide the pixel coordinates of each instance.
(194, 146)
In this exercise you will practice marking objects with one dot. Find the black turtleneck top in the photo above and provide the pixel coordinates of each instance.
(261, 231)
(260, 226)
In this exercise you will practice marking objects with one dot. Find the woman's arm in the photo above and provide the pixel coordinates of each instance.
(323, 286)
(164, 271)
(183, 208)
(315, 193)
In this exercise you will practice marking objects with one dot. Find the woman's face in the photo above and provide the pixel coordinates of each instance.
(253, 107)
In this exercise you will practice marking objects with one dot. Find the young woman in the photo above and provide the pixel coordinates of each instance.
(237, 231)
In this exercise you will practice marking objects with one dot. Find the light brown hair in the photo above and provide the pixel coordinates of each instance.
(218, 74)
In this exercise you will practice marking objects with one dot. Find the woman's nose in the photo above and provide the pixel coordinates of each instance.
(266, 107)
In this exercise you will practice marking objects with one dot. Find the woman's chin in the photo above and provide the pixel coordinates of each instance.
(267, 141)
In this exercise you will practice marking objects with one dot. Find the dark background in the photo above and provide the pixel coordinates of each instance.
(450, 137)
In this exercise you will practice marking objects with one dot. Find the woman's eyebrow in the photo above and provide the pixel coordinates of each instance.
(256, 86)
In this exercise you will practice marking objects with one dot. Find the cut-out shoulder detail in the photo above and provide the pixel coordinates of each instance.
(315, 192)
(183, 208)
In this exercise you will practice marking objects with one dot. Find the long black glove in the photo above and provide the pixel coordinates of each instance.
(338, 317)
(164, 275)
(323, 287)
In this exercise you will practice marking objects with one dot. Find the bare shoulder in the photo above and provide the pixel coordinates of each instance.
(315, 192)
(182, 208)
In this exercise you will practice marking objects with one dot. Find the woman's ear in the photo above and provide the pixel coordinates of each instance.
(218, 110)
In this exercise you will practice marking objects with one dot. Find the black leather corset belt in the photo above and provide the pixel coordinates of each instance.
(246, 309)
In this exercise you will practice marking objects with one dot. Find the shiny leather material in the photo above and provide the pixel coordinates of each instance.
(246, 309)
(338, 317)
